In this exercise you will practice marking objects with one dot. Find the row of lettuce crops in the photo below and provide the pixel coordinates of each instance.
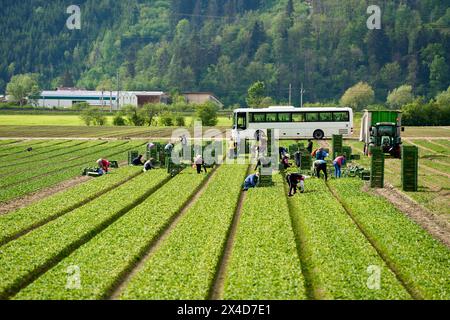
(264, 263)
(61, 170)
(105, 259)
(421, 261)
(20, 149)
(185, 265)
(27, 171)
(12, 164)
(336, 254)
(39, 153)
(21, 220)
(24, 259)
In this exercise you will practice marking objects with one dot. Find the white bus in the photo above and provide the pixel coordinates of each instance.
(293, 123)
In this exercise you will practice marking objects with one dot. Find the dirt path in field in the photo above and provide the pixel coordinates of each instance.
(216, 292)
(27, 200)
(117, 289)
(435, 225)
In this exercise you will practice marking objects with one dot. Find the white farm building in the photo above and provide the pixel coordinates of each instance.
(64, 98)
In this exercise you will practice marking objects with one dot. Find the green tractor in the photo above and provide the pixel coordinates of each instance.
(382, 129)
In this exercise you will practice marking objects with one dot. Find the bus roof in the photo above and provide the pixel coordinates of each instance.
(291, 109)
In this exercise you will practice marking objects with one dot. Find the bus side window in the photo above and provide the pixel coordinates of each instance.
(271, 117)
(259, 117)
(284, 117)
(312, 117)
(298, 117)
(325, 117)
(341, 116)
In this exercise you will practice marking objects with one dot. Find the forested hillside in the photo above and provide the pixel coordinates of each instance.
(224, 46)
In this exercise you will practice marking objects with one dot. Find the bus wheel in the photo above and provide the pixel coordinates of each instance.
(318, 135)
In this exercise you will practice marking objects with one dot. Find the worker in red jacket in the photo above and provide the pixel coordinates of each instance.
(338, 163)
(104, 164)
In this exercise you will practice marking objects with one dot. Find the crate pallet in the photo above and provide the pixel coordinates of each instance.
(347, 151)
(132, 155)
(410, 168)
(377, 169)
(337, 145)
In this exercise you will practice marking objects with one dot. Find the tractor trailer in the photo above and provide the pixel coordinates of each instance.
(382, 129)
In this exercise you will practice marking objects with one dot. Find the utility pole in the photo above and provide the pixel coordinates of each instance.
(290, 94)
(118, 91)
(302, 92)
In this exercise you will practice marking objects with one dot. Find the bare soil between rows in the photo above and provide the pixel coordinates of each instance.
(29, 199)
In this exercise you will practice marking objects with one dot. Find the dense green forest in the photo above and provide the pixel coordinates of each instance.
(224, 46)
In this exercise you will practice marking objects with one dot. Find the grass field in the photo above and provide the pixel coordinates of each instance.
(135, 235)
(72, 120)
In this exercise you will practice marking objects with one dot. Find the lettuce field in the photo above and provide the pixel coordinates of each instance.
(149, 236)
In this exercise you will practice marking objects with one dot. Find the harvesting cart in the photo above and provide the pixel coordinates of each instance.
(382, 129)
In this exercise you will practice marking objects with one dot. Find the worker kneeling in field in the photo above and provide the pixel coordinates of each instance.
(104, 164)
(338, 163)
(293, 179)
(137, 161)
(251, 181)
(321, 165)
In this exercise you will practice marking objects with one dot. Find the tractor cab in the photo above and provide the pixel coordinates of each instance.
(386, 136)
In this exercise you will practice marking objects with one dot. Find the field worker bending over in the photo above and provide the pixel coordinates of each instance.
(251, 181)
(321, 154)
(338, 163)
(148, 165)
(199, 163)
(137, 161)
(321, 165)
(103, 164)
(285, 162)
(293, 179)
(168, 148)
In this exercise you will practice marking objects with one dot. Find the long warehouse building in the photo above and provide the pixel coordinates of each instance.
(106, 99)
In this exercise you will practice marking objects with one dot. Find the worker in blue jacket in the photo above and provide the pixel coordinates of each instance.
(251, 181)
(321, 154)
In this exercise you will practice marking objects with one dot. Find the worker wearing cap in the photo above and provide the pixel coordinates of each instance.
(103, 164)
(251, 181)
(338, 163)
(293, 179)
(321, 165)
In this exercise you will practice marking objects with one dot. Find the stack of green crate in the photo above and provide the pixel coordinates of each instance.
(293, 148)
(347, 151)
(337, 144)
(132, 155)
(377, 169)
(306, 161)
(265, 176)
(410, 168)
(155, 153)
